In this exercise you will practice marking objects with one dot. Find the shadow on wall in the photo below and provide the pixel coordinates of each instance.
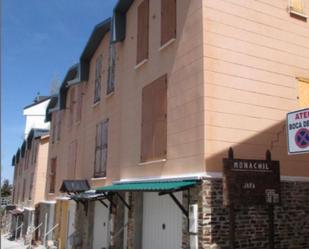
(255, 147)
(291, 218)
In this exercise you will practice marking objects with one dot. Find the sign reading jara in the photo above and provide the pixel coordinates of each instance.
(298, 131)
(249, 182)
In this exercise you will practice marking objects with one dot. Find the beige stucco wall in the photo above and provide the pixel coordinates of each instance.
(182, 62)
(55, 151)
(107, 108)
(84, 131)
(38, 169)
(253, 52)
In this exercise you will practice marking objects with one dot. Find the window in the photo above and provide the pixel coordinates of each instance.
(24, 190)
(72, 159)
(297, 6)
(71, 107)
(303, 93)
(168, 21)
(31, 186)
(98, 76)
(52, 175)
(154, 120)
(79, 103)
(142, 31)
(34, 152)
(111, 69)
(100, 160)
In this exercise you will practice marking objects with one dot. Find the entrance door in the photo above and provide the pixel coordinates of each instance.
(162, 222)
(101, 226)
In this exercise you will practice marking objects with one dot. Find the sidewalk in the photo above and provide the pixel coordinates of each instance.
(7, 244)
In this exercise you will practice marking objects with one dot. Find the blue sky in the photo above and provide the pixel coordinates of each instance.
(41, 40)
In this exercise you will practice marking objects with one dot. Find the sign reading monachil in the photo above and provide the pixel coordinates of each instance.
(298, 131)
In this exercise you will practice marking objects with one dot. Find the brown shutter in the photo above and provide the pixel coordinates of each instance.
(147, 123)
(168, 20)
(53, 169)
(160, 118)
(154, 122)
(142, 31)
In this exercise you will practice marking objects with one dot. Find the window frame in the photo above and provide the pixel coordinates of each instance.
(52, 175)
(101, 149)
(98, 79)
(165, 22)
(154, 121)
(142, 36)
(111, 69)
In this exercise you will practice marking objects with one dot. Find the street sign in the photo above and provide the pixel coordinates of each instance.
(297, 124)
(251, 182)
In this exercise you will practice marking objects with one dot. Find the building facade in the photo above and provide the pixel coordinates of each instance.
(143, 121)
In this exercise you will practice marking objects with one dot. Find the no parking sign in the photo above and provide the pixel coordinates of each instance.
(298, 131)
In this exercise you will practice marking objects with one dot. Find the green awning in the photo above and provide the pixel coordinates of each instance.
(159, 186)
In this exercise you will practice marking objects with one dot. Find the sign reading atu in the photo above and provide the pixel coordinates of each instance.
(298, 131)
(251, 182)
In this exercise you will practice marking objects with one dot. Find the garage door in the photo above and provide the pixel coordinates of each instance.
(162, 222)
(101, 226)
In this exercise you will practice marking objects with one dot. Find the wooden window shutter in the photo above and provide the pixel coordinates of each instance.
(303, 93)
(104, 146)
(297, 5)
(142, 31)
(160, 116)
(97, 156)
(24, 190)
(53, 169)
(168, 20)
(154, 120)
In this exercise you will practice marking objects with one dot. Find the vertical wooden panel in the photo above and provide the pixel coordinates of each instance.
(154, 120)
(24, 190)
(160, 116)
(303, 93)
(53, 169)
(142, 31)
(168, 20)
(297, 5)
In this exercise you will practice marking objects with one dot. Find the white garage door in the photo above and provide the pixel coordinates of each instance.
(101, 226)
(162, 222)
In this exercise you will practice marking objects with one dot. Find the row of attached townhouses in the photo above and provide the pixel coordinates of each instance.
(163, 92)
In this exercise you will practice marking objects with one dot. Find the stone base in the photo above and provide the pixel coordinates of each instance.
(291, 219)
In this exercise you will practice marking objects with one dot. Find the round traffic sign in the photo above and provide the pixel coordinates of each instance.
(302, 138)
